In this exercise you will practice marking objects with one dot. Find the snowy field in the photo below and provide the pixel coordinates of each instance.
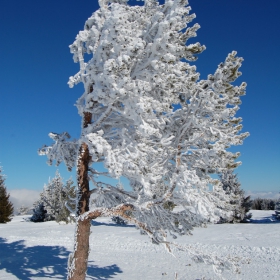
(40, 250)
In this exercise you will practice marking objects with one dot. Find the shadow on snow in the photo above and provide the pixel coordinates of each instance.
(95, 272)
(43, 261)
(265, 220)
(95, 223)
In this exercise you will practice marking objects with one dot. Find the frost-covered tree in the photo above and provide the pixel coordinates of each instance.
(56, 201)
(51, 197)
(147, 116)
(6, 207)
(241, 204)
(277, 209)
(23, 210)
(68, 203)
(118, 220)
(39, 213)
(247, 205)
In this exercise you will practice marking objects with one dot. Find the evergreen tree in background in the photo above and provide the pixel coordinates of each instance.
(241, 204)
(6, 207)
(51, 197)
(67, 203)
(277, 209)
(39, 213)
(246, 204)
(56, 201)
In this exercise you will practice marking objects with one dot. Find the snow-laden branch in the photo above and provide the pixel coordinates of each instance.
(61, 151)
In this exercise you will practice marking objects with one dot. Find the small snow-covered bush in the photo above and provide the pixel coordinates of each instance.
(39, 213)
(118, 220)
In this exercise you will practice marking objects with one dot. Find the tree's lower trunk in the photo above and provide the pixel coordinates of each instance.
(77, 264)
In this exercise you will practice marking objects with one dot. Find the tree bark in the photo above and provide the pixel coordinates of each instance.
(77, 267)
(78, 260)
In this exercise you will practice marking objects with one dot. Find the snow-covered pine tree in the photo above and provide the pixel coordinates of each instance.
(148, 117)
(277, 209)
(52, 197)
(240, 203)
(68, 203)
(39, 212)
(56, 201)
(6, 207)
(247, 204)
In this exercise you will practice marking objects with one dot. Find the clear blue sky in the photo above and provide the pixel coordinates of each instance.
(36, 63)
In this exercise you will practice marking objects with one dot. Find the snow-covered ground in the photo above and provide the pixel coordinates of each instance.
(40, 250)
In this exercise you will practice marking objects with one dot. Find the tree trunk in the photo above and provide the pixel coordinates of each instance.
(77, 266)
(77, 263)
(79, 259)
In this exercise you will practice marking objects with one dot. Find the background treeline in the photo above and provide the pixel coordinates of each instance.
(263, 203)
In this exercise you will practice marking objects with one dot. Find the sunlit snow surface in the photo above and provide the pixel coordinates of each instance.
(40, 250)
